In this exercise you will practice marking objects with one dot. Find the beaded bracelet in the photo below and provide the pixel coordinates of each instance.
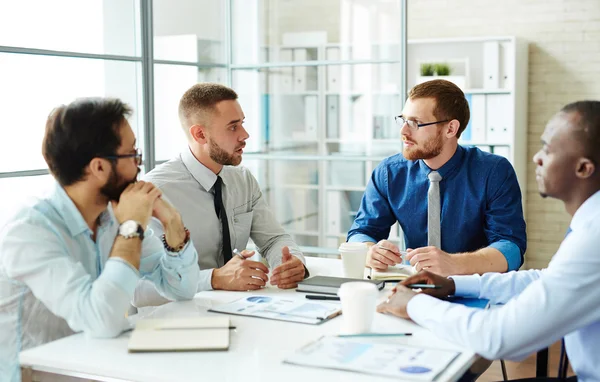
(180, 246)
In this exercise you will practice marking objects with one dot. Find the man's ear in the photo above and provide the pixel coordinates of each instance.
(99, 169)
(198, 133)
(452, 129)
(585, 168)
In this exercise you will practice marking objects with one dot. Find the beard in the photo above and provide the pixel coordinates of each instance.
(221, 156)
(430, 149)
(116, 184)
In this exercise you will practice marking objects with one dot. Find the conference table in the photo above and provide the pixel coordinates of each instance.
(256, 353)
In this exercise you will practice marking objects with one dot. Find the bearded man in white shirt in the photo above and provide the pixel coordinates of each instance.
(540, 306)
(221, 202)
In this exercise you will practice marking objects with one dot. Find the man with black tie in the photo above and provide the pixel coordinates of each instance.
(221, 202)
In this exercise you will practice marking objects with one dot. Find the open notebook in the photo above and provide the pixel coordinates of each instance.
(180, 334)
(397, 272)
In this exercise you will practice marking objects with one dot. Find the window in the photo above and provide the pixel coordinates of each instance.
(319, 97)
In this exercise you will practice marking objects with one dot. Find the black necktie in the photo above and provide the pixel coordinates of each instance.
(220, 210)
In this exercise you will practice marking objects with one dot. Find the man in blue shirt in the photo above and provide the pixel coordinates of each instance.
(70, 261)
(540, 306)
(480, 216)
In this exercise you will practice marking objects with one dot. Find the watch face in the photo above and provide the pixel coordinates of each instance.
(128, 228)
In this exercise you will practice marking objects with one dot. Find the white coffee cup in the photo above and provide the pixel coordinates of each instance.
(354, 257)
(359, 300)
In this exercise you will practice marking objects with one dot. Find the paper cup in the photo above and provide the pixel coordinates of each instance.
(354, 257)
(359, 300)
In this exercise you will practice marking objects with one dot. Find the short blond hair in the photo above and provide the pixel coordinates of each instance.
(199, 101)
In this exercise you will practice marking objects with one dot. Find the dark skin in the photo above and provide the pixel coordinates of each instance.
(563, 171)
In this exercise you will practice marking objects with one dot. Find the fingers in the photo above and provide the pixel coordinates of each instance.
(382, 308)
(155, 195)
(293, 263)
(290, 276)
(285, 254)
(255, 265)
(247, 254)
(388, 245)
(287, 286)
(419, 278)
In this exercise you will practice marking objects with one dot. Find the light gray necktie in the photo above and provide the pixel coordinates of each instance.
(434, 231)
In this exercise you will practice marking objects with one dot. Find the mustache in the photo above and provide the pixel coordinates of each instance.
(241, 146)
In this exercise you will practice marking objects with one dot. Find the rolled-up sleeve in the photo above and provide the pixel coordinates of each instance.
(504, 222)
(175, 275)
(96, 307)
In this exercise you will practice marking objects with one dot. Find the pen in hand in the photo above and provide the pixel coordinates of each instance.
(238, 253)
(423, 286)
(403, 253)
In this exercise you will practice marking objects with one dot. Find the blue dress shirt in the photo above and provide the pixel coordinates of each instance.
(480, 204)
(55, 280)
(541, 306)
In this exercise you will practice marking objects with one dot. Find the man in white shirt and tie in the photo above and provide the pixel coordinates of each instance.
(540, 306)
(221, 202)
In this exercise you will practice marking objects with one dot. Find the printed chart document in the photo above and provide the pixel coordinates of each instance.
(180, 334)
(284, 309)
(402, 362)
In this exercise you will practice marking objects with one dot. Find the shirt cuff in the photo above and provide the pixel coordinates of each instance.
(186, 256)
(420, 305)
(122, 274)
(511, 252)
(466, 286)
(361, 238)
(205, 282)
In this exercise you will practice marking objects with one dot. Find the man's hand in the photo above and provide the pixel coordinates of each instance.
(171, 221)
(240, 274)
(136, 203)
(434, 260)
(290, 272)
(397, 302)
(425, 277)
(382, 255)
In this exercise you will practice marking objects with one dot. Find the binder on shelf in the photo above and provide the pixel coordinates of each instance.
(300, 54)
(334, 206)
(333, 71)
(498, 118)
(478, 118)
(506, 67)
(491, 65)
(284, 82)
(332, 104)
(311, 119)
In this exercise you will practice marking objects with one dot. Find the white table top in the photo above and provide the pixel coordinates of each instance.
(258, 347)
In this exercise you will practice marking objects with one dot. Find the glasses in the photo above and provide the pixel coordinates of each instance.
(400, 121)
(137, 155)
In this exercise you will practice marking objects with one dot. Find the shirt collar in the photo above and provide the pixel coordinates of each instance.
(68, 211)
(447, 168)
(200, 172)
(586, 213)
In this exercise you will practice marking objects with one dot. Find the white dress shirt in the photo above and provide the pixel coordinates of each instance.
(562, 300)
(56, 280)
(188, 185)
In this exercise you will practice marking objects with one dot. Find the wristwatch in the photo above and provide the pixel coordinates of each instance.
(131, 228)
